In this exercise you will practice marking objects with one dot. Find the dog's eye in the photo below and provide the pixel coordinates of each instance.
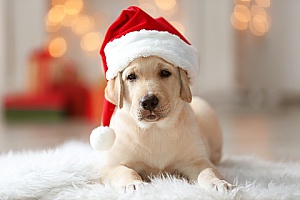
(165, 73)
(131, 77)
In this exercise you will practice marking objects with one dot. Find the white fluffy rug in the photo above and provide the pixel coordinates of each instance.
(71, 171)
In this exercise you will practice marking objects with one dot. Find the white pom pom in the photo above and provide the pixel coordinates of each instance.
(102, 138)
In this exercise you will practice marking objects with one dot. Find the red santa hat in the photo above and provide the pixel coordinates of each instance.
(136, 34)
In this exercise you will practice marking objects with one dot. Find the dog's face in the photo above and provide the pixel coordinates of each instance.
(150, 89)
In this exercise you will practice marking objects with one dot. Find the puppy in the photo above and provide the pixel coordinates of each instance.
(158, 130)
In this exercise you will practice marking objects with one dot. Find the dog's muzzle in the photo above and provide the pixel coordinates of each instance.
(150, 110)
(147, 112)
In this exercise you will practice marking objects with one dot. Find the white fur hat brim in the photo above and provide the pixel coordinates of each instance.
(121, 51)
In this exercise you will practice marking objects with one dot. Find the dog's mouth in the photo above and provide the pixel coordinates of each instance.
(151, 117)
(157, 114)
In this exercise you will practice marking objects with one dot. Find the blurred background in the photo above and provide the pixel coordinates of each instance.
(51, 79)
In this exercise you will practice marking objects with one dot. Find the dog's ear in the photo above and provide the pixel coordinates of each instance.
(114, 91)
(185, 91)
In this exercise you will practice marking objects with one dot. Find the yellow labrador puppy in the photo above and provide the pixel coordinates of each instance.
(158, 130)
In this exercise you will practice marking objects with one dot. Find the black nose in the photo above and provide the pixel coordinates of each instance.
(149, 102)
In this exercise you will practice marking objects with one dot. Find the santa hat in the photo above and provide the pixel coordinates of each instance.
(136, 34)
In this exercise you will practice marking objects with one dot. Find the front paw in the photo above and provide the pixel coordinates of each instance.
(216, 184)
(208, 180)
(131, 187)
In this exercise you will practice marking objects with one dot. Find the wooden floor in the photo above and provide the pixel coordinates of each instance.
(272, 135)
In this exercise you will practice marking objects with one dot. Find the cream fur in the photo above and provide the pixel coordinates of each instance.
(179, 140)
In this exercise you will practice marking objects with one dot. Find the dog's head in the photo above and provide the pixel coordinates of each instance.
(150, 89)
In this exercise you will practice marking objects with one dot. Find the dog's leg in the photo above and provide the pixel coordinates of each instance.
(207, 176)
(122, 177)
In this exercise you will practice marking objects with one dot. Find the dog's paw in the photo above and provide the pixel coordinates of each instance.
(216, 184)
(131, 187)
(208, 180)
(221, 185)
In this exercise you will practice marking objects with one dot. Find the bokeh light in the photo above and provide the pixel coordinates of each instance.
(69, 20)
(238, 22)
(242, 2)
(57, 47)
(52, 27)
(58, 2)
(252, 15)
(56, 14)
(258, 10)
(82, 24)
(243, 11)
(73, 7)
(91, 41)
(165, 4)
(263, 3)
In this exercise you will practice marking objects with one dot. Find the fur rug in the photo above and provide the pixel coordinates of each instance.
(71, 171)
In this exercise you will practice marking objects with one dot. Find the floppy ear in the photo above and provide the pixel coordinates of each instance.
(114, 91)
(185, 91)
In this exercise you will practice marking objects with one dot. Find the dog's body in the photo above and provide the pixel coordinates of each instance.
(157, 130)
